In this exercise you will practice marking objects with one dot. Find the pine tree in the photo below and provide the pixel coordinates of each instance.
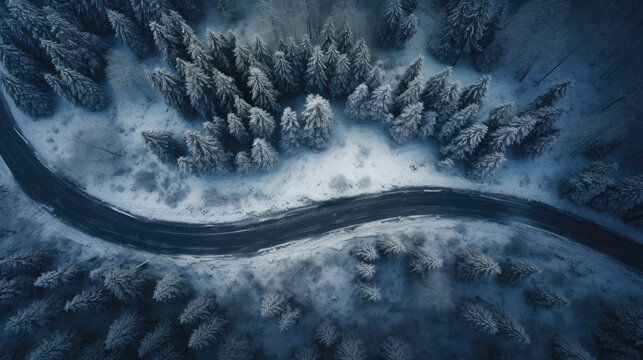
(272, 304)
(565, 348)
(485, 165)
(327, 36)
(360, 58)
(553, 94)
(306, 353)
(546, 297)
(408, 27)
(514, 271)
(217, 45)
(242, 59)
(69, 56)
(242, 108)
(168, 40)
(318, 121)
(588, 183)
(126, 282)
(327, 333)
(21, 64)
(243, 162)
(289, 317)
(345, 40)
(465, 143)
(207, 151)
(173, 90)
(406, 126)
(478, 317)
(434, 87)
(411, 95)
(124, 331)
(28, 98)
(538, 145)
(208, 333)
(261, 123)
(491, 28)
(226, 91)
(510, 328)
(171, 288)
(350, 349)
(129, 33)
(264, 156)
(396, 349)
(511, 133)
(475, 266)
(342, 79)
(59, 345)
(412, 72)
(330, 60)
(262, 90)
(474, 93)
(199, 309)
(409, 5)
(147, 11)
(14, 289)
(290, 130)
(380, 102)
(199, 88)
(163, 145)
(237, 129)
(626, 194)
(64, 275)
(445, 106)
(389, 245)
(316, 73)
(305, 51)
(368, 292)
(420, 261)
(457, 121)
(88, 300)
(364, 271)
(36, 314)
(262, 56)
(427, 127)
(31, 16)
(78, 89)
(284, 74)
(197, 51)
(497, 115)
(357, 103)
(365, 252)
(153, 341)
(392, 20)
(374, 78)
(24, 261)
(234, 347)
(14, 32)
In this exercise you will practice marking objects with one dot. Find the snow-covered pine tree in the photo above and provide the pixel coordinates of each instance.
(406, 126)
(243, 162)
(68, 56)
(380, 103)
(327, 36)
(304, 54)
(272, 305)
(171, 288)
(168, 41)
(242, 108)
(342, 79)
(306, 353)
(318, 122)
(434, 87)
(196, 50)
(553, 94)
(345, 40)
(427, 128)
(588, 183)
(374, 78)
(126, 282)
(262, 56)
(190, 9)
(59, 345)
(412, 72)
(199, 88)
(445, 105)
(389, 245)
(486, 164)
(199, 309)
(262, 90)
(327, 332)
(207, 151)
(163, 145)
(290, 130)
(365, 252)
(226, 91)
(357, 103)
(316, 73)
(330, 60)
(456, 21)
(566, 348)
(243, 59)
(14, 289)
(625, 195)
(217, 44)
(237, 129)
(364, 271)
(393, 14)
(474, 93)
(153, 341)
(420, 261)
(88, 300)
(465, 143)
(457, 122)
(409, 5)
(546, 297)
(173, 89)
(147, 11)
(475, 266)
(264, 156)
(284, 74)
(14, 32)
(534, 146)
(291, 52)
(360, 58)
(31, 16)
(408, 27)
(124, 331)
(478, 317)
(28, 98)
(393, 348)
(490, 30)
(498, 115)
(261, 123)
(64, 275)
(471, 27)
(510, 328)
(208, 333)
(289, 317)
(410, 96)
(24, 261)
(21, 64)
(511, 133)
(38, 313)
(78, 89)
(350, 348)
(129, 33)
(514, 271)
(234, 346)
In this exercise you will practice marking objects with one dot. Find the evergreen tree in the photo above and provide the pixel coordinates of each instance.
(13, 289)
(171, 288)
(342, 79)
(243, 162)
(234, 347)
(327, 36)
(368, 292)
(409, 5)
(147, 11)
(59, 345)
(272, 305)
(289, 317)
(242, 108)
(357, 103)
(588, 183)
(199, 309)
(168, 42)
(199, 87)
(360, 58)
(173, 90)
(411, 95)
(396, 349)
(626, 194)
(538, 145)
(546, 297)
(217, 45)
(412, 72)
(475, 266)
(88, 300)
(327, 333)
(284, 74)
(434, 87)
(69, 56)
(510, 328)
(389, 245)
(565, 348)
(237, 129)
(262, 90)
(262, 55)
(364, 271)
(196, 50)
(207, 151)
(78, 89)
(513, 132)
(379, 103)
(153, 341)
(290, 130)
(330, 60)
(427, 128)
(64, 275)
(264, 156)
(406, 126)
(306, 353)
(208, 333)
(345, 40)
(163, 145)
(28, 98)
(316, 73)
(486, 164)
(36, 314)
(242, 59)
(374, 78)
(261, 123)
(24, 261)
(491, 28)
(125, 282)
(124, 331)
(365, 252)
(408, 27)
(31, 16)
(291, 52)
(474, 93)
(553, 94)
(21, 64)
(190, 9)
(318, 121)
(514, 271)
(392, 20)
(458, 121)
(478, 317)
(497, 115)
(226, 91)
(350, 349)
(129, 33)
(420, 261)
(14, 32)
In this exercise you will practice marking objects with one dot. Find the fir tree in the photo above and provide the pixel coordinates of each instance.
(261, 123)
(445, 106)
(262, 56)
(14, 32)
(199, 88)
(123, 332)
(147, 11)
(491, 28)
(153, 341)
(31, 16)
(374, 78)
(219, 51)
(306, 353)
(327, 333)
(427, 127)
(284, 74)
(24, 261)
(395, 349)
(289, 317)
(78, 89)
(327, 36)
(208, 333)
(379, 103)
(626, 194)
(38, 313)
(434, 88)
(389, 245)
(588, 183)
(345, 40)
(497, 115)
(28, 98)
(59, 345)
(406, 126)
(357, 103)
(242, 108)
(316, 73)
(125, 282)
(234, 346)
(290, 130)
(511, 133)
(457, 121)
(350, 349)
(173, 90)
(514, 271)
(64, 275)
(474, 93)
(168, 43)
(264, 156)
(475, 266)
(272, 304)
(420, 261)
(392, 20)
(242, 59)
(465, 143)
(364, 271)
(546, 297)
(360, 58)
(368, 292)
(411, 73)
(486, 164)
(478, 317)
(163, 145)
(88, 300)
(199, 309)
(21, 64)
(262, 90)
(408, 27)
(226, 91)
(365, 252)
(409, 5)
(564, 348)
(207, 151)
(128, 33)
(196, 50)
(330, 60)
(342, 79)
(171, 288)
(411, 95)
(553, 94)
(237, 129)
(13, 289)
(510, 328)
(68, 56)
(318, 122)
(243, 162)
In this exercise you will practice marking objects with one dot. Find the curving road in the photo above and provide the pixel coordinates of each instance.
(72, 204)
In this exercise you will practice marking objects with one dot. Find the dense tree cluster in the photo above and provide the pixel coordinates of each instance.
(399, 23)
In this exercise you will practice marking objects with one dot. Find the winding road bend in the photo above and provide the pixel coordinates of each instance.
(69, 202)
